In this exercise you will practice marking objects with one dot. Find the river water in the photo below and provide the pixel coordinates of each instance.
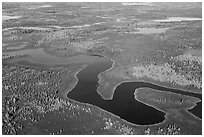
(123, 103)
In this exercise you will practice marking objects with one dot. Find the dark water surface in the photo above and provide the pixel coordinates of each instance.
(197, 110)
(123, 103)
(124, 106)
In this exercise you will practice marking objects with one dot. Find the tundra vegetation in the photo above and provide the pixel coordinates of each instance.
(33, 97)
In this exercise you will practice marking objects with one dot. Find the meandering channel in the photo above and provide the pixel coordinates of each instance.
(123, 103)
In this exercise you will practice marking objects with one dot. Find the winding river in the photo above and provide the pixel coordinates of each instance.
(123, 103)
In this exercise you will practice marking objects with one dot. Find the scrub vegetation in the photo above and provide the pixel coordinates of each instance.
(34, 97)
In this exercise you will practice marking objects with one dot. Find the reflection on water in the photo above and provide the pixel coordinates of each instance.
(41, 57)
(177, 19)
(151, 30)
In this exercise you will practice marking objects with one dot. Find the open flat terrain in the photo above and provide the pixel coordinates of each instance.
(68, 67)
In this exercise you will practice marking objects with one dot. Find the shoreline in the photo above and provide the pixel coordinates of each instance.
(119, 82)
(166, 118)
(184, 108)
(64, 95)
(74, 81)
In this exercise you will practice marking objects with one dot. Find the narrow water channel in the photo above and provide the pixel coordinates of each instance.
(123, 103)
(126, 107)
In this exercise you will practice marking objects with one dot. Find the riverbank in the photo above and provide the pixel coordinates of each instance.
(108, 85)
(168, 116)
